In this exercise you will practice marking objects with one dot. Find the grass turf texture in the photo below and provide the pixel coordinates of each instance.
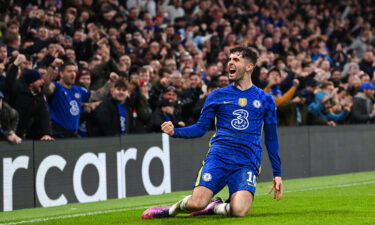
(341, 199)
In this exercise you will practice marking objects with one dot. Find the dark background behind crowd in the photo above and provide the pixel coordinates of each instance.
(84, 68)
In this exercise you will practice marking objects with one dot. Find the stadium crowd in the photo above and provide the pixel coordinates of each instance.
(83, 68)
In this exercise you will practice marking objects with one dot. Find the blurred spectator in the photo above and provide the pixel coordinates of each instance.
(324, 103)
(295, 111)
(13, 40)
(273, 87)
(363, 109)
(3, 62)
(336, 77)
(170, 64)
(3, 54)
(308, 92)
(8, 122)
(172, 95)
(113, 117)
(140, 88)
(197, 109)
(158, 88)
(27, 97)
(190, 97)
(178, 82)
(100, 72)
(359, 45)
(174, 10)
(65, 100)
(83, 78)
(164, 112)
(222, 81)
(210, 74)
(185, 73)
(367, 64)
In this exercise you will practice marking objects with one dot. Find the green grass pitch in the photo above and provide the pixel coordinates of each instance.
(341, 199)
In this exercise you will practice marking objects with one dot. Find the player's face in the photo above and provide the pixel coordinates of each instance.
(68, 76)
(237, 67)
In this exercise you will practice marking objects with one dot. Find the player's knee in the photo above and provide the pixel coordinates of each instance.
(197, 204)
(239, 212)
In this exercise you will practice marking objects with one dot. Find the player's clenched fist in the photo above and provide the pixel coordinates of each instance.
(168, 128)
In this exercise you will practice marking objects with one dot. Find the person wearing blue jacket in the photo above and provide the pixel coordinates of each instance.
(322, 104)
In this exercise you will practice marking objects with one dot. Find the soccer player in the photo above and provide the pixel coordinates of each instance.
(240, 110)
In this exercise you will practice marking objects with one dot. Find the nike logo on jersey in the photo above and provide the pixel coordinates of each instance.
(225, 102)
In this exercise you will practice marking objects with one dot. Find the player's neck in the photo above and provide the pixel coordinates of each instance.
(244, 84)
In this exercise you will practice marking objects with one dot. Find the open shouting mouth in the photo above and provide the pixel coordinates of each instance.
(232, 71)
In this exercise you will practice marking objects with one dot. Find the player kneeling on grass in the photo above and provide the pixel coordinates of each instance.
(241, 111)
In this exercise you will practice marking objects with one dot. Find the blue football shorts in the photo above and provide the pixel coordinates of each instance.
(215, 174)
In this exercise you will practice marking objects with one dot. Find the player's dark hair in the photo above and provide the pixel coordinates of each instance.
(247, 52)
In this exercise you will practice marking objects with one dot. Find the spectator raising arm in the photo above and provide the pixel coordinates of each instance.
(49, 87)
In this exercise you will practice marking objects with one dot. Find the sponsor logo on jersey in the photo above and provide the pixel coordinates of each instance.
(242, 101)
(257, 104)
(241, 121)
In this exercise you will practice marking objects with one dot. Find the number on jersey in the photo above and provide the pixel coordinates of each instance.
(252, 180)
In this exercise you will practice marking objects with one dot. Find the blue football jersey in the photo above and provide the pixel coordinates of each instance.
(65, 105)
(239, 117)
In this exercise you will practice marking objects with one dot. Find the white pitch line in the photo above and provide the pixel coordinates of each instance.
(72, 216)
(129, 209)
(331, 186)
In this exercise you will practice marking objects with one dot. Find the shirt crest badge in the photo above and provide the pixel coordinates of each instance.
(77, 95)
(257, 104)
(242, 101)
(207, 177)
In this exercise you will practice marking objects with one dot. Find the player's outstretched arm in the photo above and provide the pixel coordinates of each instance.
(277, 188)
(168, 128)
